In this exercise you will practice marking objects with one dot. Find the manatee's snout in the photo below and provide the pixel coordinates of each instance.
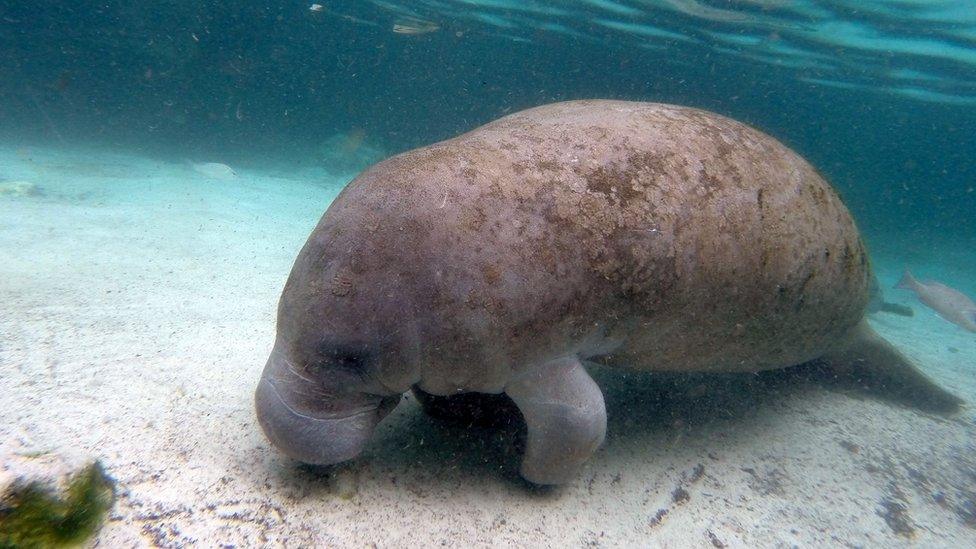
(319, 439)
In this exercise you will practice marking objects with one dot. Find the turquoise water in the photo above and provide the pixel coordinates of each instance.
(879, 95)
(139, 289)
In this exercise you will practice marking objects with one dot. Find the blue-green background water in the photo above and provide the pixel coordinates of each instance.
(881, 96)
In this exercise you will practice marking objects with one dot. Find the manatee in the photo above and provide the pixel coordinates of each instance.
(635, 235)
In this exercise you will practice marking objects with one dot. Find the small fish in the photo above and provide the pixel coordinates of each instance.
(410, 25)
(354, 140)
(950, 304)
(215, 170)
(19, 188)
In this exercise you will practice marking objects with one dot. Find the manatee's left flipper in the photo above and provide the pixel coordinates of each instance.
(566, 419)
(870, 362)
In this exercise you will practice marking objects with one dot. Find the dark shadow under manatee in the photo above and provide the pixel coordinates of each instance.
(906, 390)
(477, 430)
(473, 436)
(672, 394)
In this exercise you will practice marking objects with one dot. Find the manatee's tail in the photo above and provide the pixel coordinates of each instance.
(871, 363)
(907, 281)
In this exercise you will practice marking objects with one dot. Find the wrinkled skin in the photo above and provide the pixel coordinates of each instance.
(639, 235)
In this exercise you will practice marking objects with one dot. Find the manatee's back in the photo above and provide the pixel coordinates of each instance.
(731, 249)
(699, 242)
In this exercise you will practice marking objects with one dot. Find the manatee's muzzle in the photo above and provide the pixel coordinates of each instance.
(318, 440)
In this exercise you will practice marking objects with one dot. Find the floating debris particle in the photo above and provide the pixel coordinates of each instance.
(345, 483)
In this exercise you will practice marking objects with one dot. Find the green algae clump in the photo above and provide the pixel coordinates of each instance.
(32, 515)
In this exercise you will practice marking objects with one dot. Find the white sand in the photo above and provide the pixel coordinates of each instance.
(138, 310)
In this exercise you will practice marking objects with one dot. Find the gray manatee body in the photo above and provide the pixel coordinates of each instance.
(638, 235)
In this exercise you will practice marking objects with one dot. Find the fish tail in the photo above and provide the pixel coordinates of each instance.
(907, 281)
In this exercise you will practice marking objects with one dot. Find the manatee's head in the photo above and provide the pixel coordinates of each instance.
(338, 366)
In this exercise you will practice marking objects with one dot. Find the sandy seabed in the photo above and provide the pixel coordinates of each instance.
(138, 311)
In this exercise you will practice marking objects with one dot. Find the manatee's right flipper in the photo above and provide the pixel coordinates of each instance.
(566, 419)
(872, 363)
